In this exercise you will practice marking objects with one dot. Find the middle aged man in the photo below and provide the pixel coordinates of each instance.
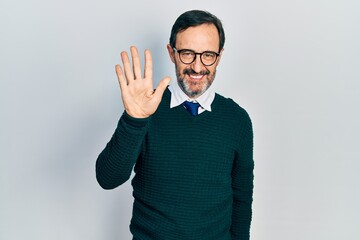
(192, 148)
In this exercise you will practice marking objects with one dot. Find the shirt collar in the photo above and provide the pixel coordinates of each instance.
(178, 97)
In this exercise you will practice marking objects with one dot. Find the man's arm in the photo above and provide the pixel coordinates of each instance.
(242, 184)
(115, 163)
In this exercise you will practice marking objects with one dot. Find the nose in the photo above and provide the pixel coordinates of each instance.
(197, 65)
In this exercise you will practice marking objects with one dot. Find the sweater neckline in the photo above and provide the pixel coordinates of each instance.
(186, 114)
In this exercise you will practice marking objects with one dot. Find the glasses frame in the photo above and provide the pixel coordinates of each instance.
(196, 53)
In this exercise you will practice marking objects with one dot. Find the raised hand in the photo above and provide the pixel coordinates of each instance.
(137, 91)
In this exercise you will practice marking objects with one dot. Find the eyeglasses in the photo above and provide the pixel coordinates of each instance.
(188, 56)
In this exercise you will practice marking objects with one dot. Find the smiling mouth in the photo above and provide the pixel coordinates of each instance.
(195, 77)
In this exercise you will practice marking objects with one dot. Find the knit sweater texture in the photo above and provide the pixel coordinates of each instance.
(193, 174)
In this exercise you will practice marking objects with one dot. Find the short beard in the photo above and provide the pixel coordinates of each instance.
(186, 87)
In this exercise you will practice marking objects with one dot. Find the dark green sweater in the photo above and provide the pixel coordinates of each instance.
(193, 174)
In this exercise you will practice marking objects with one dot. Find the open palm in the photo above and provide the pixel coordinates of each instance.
(137, 91)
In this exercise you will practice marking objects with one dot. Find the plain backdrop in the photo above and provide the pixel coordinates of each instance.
(293, 65)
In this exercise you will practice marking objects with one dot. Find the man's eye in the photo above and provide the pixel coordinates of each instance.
(209, 55)
(187, 54)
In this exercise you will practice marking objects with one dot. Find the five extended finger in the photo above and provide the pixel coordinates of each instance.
(148, 65)
(161, 87)
(121, 79)
(136, 62)
(127, 68)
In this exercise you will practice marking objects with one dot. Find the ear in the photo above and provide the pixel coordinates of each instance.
(171, 53)
(219, 57)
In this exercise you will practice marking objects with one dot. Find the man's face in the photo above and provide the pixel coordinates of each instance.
(195, 78)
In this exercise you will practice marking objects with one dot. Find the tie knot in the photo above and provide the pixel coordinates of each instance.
(192, 107)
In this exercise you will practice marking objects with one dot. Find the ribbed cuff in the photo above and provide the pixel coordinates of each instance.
(135, 122)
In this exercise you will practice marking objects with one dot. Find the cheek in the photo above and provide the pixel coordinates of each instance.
(212, 71)
(179, 67)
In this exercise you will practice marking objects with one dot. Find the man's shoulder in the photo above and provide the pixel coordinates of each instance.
(228, 105)
(167, 94)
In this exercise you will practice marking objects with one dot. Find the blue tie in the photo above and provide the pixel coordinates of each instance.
(192, 107)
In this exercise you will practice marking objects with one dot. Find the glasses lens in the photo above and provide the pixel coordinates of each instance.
(187, 56)
(208, 58)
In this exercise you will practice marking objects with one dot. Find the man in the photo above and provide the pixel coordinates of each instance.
(191, 149)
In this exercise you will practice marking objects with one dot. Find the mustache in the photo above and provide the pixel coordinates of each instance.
(191, 71)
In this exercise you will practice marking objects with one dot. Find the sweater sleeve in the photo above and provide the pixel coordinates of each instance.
(116, 161)
(242, 184)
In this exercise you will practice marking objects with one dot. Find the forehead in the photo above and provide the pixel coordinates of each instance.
(204, 37)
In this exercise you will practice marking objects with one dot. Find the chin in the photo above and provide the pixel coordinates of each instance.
(192, 88)
(195, 92)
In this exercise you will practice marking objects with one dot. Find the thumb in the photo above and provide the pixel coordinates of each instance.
(161, 87)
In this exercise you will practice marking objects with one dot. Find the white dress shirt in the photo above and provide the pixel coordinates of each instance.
(178, 97)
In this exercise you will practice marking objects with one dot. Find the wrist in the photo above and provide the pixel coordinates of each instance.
(135, 122)
(136, 115)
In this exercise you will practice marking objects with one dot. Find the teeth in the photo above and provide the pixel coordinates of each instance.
(196, 76)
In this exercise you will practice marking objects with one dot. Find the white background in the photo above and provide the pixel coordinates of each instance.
(294, 65)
